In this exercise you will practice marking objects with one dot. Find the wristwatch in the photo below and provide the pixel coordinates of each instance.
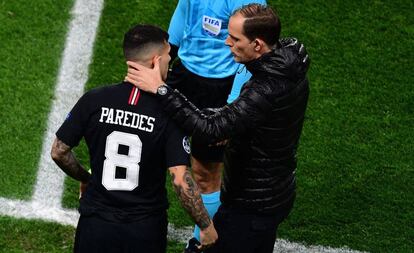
(162, 90)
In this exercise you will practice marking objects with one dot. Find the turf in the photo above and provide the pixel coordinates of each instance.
(32, 38)
(34, 236)
(355, 172)
(355, 167)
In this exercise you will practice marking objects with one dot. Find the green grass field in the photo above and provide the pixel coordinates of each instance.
(356, 166)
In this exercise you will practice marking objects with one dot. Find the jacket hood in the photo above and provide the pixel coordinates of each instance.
(290, 60)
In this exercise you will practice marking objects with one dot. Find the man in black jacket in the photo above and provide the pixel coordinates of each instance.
(262, 126)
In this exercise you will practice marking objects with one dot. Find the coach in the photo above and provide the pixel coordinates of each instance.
(263, 127)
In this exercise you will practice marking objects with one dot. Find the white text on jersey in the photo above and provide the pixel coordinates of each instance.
(126, 118)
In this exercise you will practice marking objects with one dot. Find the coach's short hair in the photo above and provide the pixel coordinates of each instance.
(260, 22)
(140, 39)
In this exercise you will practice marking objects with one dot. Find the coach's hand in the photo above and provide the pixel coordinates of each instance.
(208, 237)
(146, 79)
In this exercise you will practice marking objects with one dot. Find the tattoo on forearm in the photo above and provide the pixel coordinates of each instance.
(189, 195)
(65, 159)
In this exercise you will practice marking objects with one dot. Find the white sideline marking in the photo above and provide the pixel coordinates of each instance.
(36, 210)
(73, 74)
(71, 81)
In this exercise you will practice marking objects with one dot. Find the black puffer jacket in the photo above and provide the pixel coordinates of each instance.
(263, 127)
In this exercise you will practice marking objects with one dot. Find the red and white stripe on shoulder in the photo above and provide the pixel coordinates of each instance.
(134, 96)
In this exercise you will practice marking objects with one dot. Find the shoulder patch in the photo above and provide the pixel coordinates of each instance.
(186, 144)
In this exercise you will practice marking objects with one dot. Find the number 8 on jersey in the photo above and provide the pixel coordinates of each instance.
(114, 160)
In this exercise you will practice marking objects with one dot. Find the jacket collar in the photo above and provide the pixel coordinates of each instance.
(289, 60)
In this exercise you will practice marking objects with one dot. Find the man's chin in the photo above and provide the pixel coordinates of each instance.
(239, 60)
(236, 58)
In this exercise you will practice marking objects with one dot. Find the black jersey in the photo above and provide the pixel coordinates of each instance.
(131, 142)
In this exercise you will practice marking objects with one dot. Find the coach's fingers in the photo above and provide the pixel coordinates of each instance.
(132, 79)
(133, 74)
(135, 66)
(132, 70)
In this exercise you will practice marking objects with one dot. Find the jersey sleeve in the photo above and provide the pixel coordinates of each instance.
(72, 129)
(177, 148)
(175, 30)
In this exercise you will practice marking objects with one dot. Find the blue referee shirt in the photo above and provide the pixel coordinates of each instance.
(242, 76)
(199, 29)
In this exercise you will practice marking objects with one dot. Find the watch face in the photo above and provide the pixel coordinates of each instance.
(162, 90)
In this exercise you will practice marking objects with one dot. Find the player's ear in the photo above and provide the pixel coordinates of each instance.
(153, 59)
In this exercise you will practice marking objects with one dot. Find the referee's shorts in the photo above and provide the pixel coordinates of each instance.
(203, 92)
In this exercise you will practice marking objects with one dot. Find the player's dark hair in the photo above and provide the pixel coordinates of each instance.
(260, 22)
(140, 37)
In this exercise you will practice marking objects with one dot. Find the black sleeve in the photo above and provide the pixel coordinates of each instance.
(177, 146)
(72, 129)
(244, 113)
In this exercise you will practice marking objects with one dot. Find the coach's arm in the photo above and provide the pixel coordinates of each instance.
(189, 195)
(65, 159)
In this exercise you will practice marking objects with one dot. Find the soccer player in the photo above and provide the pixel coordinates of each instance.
(204, 73)
(263, 127)
(131, 143)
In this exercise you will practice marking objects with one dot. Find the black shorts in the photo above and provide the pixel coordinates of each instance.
(204, 93)
(94, 234)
